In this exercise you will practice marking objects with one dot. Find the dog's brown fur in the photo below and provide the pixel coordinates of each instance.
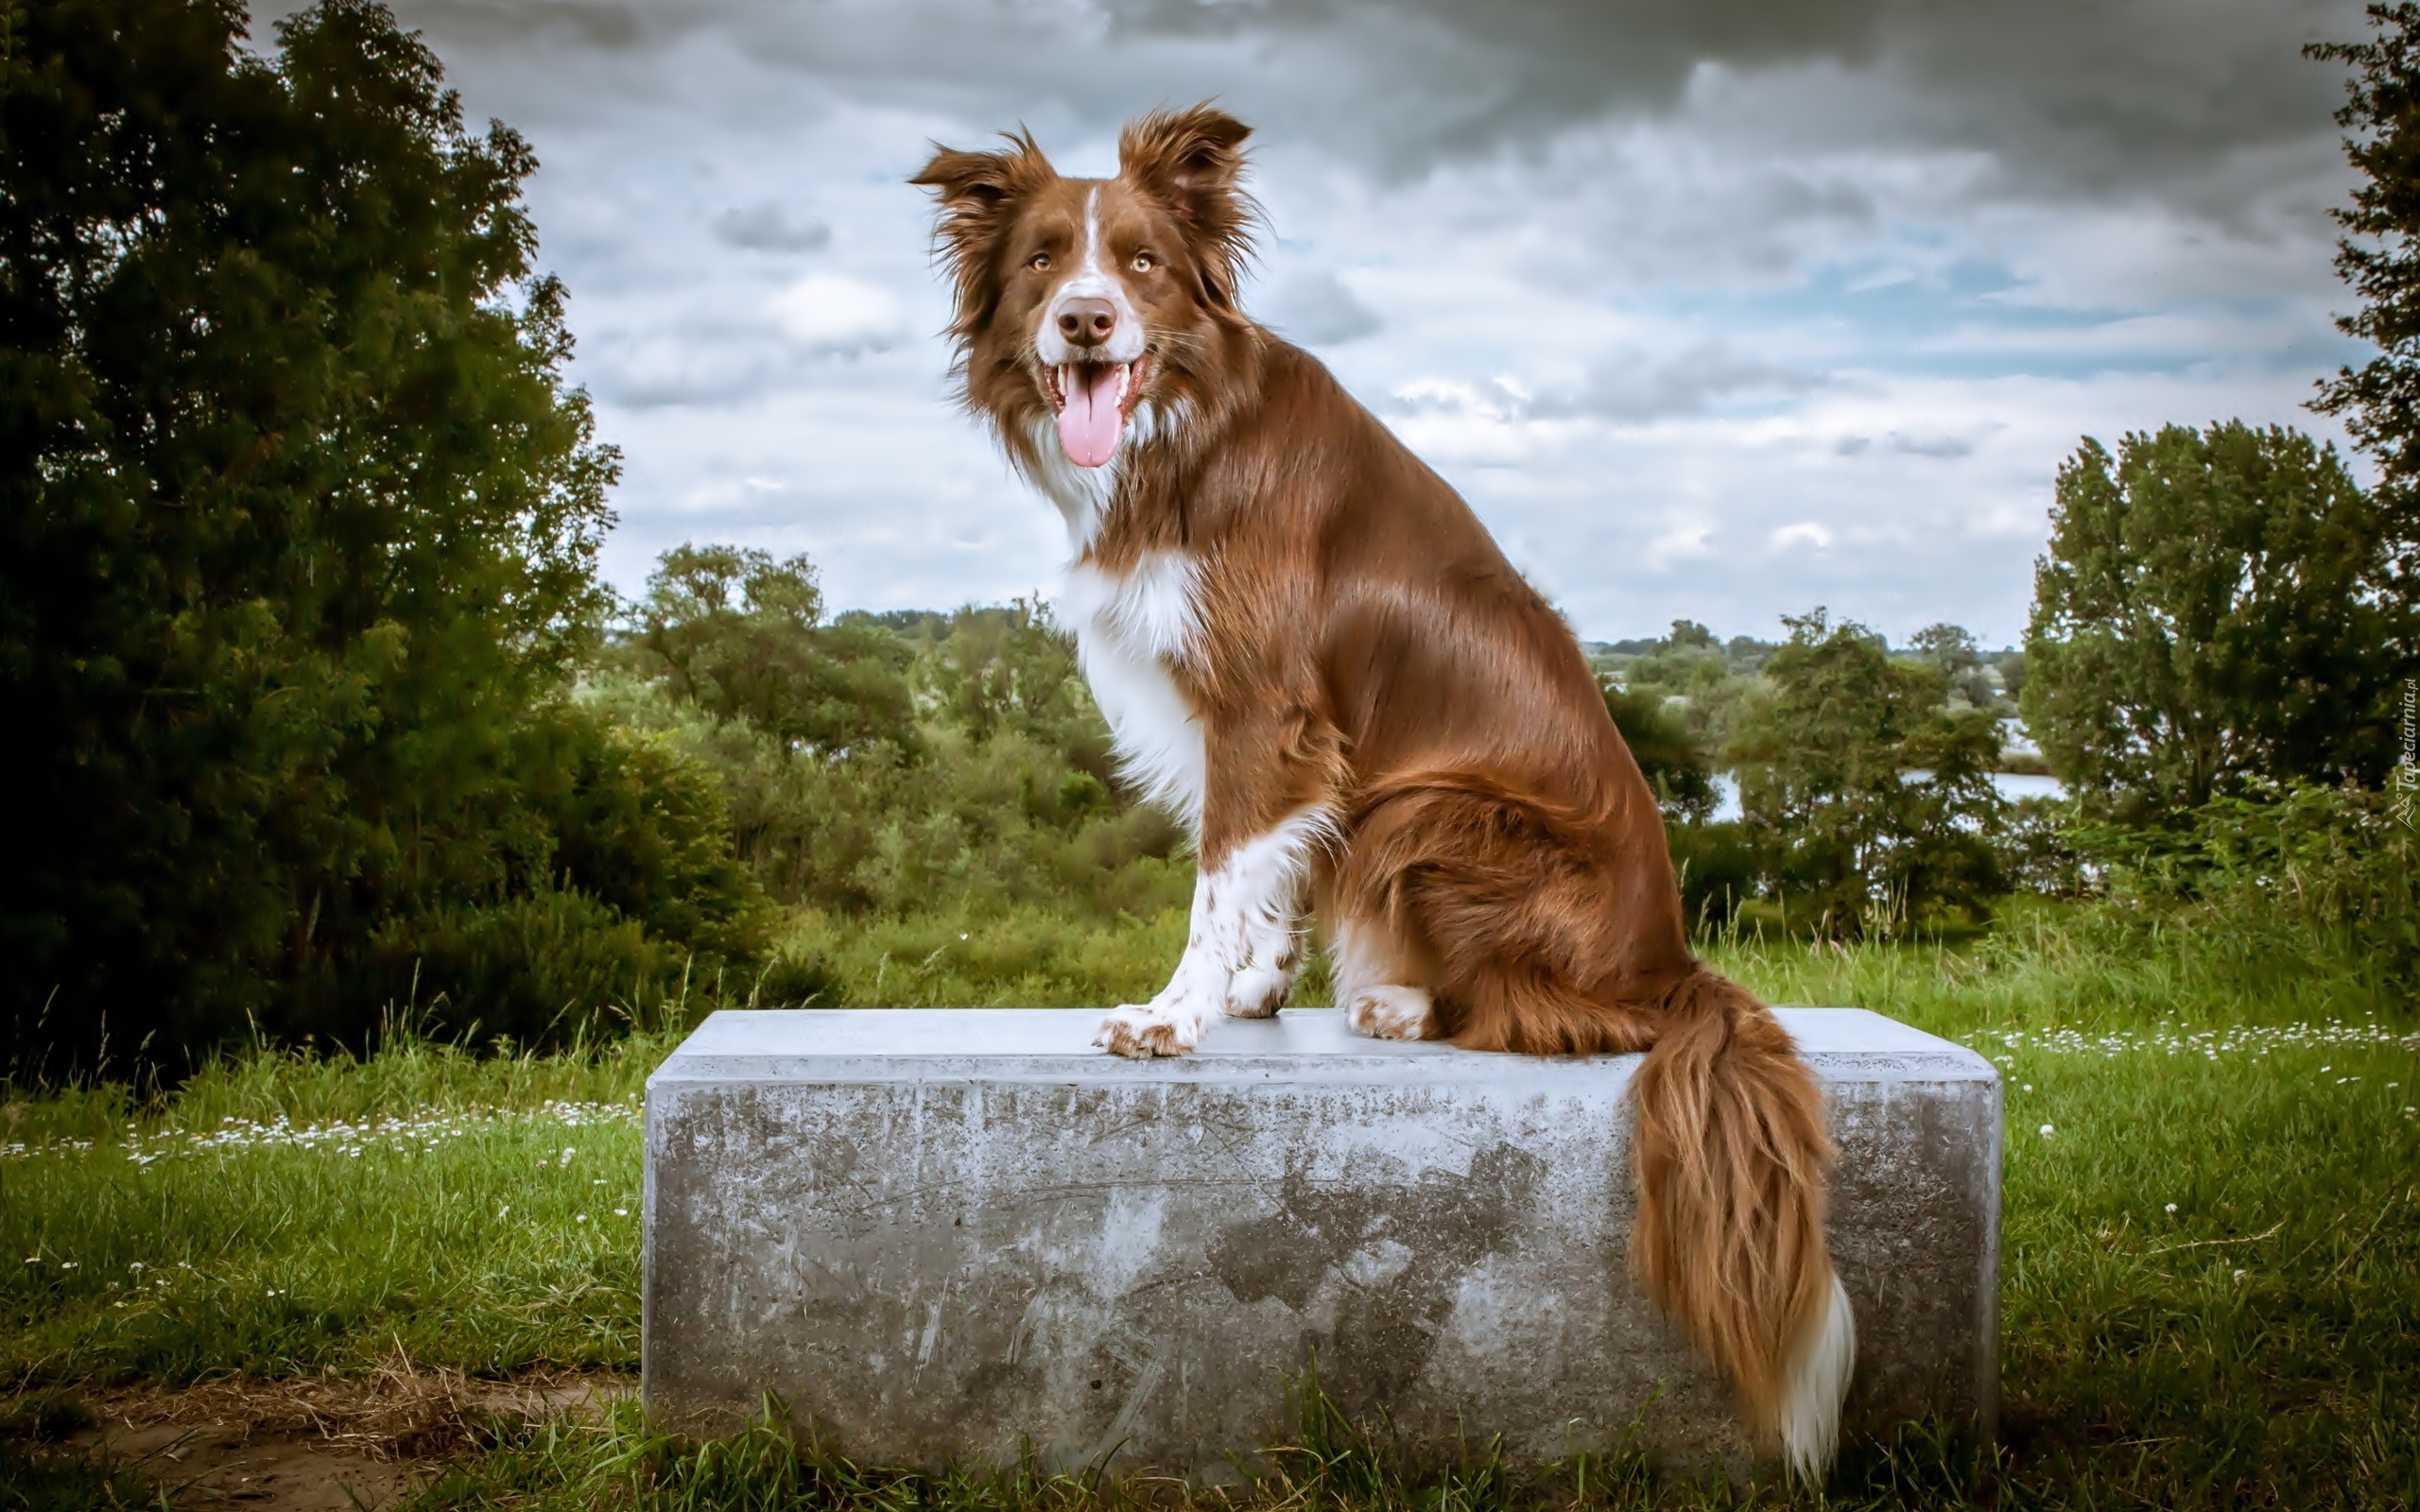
(1365, 650)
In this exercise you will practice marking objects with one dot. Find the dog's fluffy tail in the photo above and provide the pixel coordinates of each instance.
(1730, 1162)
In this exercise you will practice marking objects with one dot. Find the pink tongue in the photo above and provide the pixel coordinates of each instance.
(1088, 427)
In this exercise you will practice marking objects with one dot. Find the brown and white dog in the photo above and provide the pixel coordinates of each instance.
(1307, 646)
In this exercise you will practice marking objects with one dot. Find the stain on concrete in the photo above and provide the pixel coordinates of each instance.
(1394, 1257)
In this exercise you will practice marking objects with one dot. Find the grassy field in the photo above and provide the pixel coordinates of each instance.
(2211, 1276)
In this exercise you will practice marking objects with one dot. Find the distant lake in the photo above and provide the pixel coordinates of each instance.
(2012, 785)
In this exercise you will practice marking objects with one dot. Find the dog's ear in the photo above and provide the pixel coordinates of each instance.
(978, 193)
(1192, 160)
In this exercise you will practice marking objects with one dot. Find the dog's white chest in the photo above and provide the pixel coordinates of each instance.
(1130, 629)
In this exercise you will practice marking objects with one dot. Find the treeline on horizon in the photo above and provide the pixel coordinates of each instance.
(322, 720)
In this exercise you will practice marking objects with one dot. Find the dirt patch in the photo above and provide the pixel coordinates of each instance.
(324, 1444)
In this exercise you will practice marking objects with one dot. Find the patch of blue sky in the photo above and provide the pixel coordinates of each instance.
(1972, 319)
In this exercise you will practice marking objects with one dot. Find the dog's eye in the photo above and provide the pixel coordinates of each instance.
(1039, 261)
(1145, 261)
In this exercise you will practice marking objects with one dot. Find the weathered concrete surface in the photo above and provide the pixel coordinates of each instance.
(943, 1235)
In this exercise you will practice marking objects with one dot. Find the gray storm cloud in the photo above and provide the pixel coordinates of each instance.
(2082, 96)
(1652, 282)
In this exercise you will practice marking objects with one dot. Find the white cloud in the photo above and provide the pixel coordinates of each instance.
(830, 312)
(1805, 532)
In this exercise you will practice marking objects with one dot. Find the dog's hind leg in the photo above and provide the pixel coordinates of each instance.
(1381, 982)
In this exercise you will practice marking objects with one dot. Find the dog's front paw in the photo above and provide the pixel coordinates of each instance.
(1257, 991)
(1156, 1028)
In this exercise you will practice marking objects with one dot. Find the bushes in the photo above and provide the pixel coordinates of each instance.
(536, 968)
(974, 773)
(644, 828)
(1869, 801)
(2275, 871)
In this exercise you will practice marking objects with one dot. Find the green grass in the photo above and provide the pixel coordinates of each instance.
(282, 1214)
(2256, 1346)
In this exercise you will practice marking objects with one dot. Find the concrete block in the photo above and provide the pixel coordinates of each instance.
(946, 1236)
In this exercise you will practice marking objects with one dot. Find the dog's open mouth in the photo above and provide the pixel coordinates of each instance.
(1092, 400)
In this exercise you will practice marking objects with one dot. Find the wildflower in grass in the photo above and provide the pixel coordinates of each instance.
(2239, 1275)
(583, 1218)
(2046, 1131)
(2029, 1086)
(621, 1212)
(2171, 1206)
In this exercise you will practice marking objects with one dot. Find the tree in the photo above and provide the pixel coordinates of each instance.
(1871, 803)
(1950, 651)
(1675, 769)
(297, 524)
(2213, 607)
(2381, 258)
(741, 636)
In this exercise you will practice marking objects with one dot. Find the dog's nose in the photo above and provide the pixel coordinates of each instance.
(1088, 323)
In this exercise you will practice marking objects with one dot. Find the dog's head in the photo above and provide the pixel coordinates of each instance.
(1086, 299)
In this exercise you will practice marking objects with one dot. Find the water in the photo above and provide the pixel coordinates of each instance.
(2012, 787)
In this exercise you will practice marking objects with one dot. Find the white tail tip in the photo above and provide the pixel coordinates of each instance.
(1819, 1382)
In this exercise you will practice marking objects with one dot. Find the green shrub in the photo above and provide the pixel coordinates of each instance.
(2278, 871)
(975, 773)
(540, 969)
(1717, 866)
(644, 826)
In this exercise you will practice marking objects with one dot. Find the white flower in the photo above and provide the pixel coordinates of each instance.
(2046, 1131)
(2239, 1275)
(2029, 1086)
(621, 1212)
(2171, 1206)
(583, 1218)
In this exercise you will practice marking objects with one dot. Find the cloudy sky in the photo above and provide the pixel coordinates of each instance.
(1710, 309)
